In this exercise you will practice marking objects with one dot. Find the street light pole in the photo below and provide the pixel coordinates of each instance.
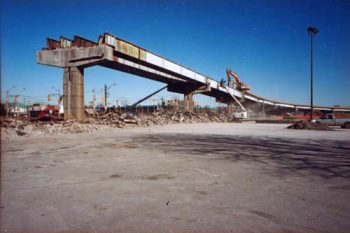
(312, 32)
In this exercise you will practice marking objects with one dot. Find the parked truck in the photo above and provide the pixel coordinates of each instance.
(44, 112)
(331, 120)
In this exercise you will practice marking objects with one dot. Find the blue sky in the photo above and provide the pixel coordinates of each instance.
(265, 42)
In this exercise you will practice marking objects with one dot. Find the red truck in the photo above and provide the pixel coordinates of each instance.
(44, 112)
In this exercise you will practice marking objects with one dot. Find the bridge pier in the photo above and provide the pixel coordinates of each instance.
(263, 111)
(230, 108)
(188, 92)
(73, 93)
(188, 102)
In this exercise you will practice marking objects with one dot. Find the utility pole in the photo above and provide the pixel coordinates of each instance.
(105, 95)
(15, 108)
(7, 100)
(58, 94)
(312, 32)
(7, 103)
(106, 88)
(93, 99)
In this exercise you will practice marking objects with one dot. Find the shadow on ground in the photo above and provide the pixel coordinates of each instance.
(324, 158)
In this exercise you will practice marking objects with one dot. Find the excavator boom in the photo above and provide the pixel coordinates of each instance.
(241, 86)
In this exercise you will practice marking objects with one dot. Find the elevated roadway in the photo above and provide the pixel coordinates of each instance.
(112, 52)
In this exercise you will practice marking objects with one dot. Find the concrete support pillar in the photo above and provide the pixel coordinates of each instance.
(263, 112)
(188, 102)
(230, 108)
(73, 93)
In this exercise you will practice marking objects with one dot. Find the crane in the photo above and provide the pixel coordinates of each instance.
(240, 85)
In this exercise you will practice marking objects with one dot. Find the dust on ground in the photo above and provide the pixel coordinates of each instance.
(215, 177)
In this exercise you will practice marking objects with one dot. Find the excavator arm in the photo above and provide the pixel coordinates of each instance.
(240, 85)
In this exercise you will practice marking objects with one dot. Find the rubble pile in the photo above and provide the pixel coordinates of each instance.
(173, 117)
(12, 127)
(158, 118)
(309, 125)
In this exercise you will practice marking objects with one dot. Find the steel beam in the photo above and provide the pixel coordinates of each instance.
(148, 96)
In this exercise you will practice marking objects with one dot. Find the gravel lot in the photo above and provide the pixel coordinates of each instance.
(178, 178)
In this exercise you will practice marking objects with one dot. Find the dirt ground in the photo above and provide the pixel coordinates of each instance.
(216, 177)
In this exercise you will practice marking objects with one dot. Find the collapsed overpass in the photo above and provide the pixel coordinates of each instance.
(114, 53)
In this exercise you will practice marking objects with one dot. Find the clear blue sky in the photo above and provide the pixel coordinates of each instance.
(265, 42)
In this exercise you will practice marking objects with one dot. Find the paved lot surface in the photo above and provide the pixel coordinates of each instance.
(178, 178)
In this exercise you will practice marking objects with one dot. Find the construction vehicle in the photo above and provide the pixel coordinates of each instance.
(60, 101)
(44, 112)
(236, 83)
(242, 112)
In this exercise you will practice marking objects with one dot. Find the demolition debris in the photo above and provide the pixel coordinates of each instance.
(309, 125)
(13, 127)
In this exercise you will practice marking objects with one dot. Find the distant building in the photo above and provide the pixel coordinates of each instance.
(14, 110)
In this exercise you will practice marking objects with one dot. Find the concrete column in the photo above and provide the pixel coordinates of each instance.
(263, 113)
(188, 102)
(230, 108)
(73, 93)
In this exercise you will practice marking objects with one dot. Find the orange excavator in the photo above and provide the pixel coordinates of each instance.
(240, 85)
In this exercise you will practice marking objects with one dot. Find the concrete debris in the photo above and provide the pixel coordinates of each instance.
(309, 125)
(14, 128)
